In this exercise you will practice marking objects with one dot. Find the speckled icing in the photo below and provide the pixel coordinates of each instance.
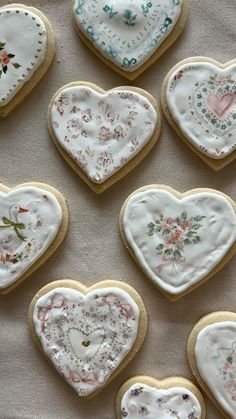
(102, 132)
(127, 32)
(178, 242)
(29, 221)
(215, 354)
(142, 401)
(23, 43)
(202, 101)
(86, 336)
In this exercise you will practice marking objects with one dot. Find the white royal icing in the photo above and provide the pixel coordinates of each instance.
(178, 242)
(30, 218)
(23, 43)
(215, 354)
(86, 337)
(102, 132)
(202, 101)
(142, 401)
(127, 32)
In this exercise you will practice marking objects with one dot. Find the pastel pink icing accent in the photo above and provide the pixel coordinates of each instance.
(221, 104)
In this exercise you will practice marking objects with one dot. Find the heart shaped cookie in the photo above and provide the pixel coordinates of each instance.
(173, 397)
(129, 35)
(199, 101)
(179, 240)
(88, 334)
(103, 135)
(33, 223)
(27, 48)
(212, 358)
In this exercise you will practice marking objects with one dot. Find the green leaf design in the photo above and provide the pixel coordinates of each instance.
(177, 254)
(184, 215)
(168, 252)
(166, 231)
(16, 65)
(199, 218)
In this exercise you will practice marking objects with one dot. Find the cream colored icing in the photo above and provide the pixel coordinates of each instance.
(23, 43)
(201, 99)
(86, 337)
(215, 354)
(102, 132)
(178, 242)
(127, 32)
(30, 218)
(154, 403)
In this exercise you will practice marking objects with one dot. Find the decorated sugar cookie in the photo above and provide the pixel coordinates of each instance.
(172, 398)
(212, 358)
(129, 35)
(33, 223)
(103, 135)
(27, 48)
(179, 240)
(199, 101)
(88, 334)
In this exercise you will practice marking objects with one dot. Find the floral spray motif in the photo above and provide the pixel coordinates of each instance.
(5, 60)
(176, 234)
(227, 370)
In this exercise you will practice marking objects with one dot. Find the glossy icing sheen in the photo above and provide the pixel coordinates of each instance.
(29, 221)
(144, 401)
(23, 43)
(86, 336)
(102, 132)
(127, 32)
(202, 101)
(215, 354)
(178, 242)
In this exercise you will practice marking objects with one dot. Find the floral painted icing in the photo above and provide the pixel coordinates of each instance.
(215, 354)
(23, 43)
(29, 221)
(177, 242)
(86, 337)
(202, 100)
(142, 401)
(127, 32)
(102, 132)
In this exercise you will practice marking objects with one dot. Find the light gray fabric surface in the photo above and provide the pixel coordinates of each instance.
(93, 251)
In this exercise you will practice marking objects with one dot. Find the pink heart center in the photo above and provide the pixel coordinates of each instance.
(220, 104)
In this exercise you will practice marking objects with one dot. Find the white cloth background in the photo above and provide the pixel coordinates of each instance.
(93, 251)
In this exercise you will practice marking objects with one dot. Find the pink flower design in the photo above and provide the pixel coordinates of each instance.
(105, 159)
(87, 115)
(4, 57)
(74, 125)
(104, 134)
(62, 102)
(118, 132)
